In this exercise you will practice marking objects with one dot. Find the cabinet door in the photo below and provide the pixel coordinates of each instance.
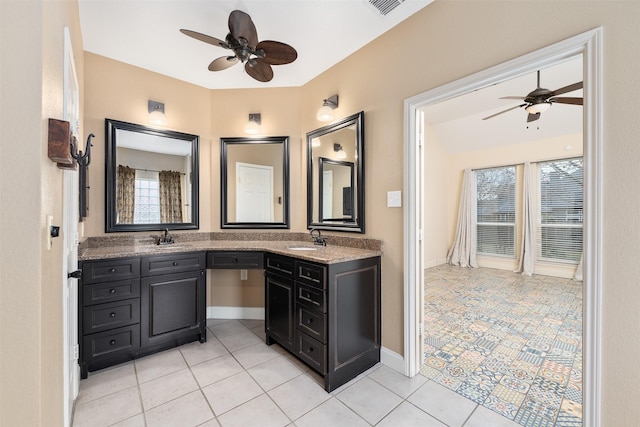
(173, 308)
(279, 310)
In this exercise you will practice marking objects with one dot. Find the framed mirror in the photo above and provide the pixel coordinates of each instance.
(151, 178)
(335, 176)
(254, 182)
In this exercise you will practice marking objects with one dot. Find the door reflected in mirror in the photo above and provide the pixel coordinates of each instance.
(335, 176)
(254, 182)
(151, 178)
(336, 190)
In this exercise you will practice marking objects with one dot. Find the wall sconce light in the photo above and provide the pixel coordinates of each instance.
(325, 113)
(156, 113)
(340, 154)
(253, 125)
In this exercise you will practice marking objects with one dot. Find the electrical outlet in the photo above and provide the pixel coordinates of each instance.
(243, 274)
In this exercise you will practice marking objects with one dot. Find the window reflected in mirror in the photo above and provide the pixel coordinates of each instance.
(254, 182)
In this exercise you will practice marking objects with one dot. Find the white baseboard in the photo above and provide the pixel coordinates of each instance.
(218, 312)
(392, 359)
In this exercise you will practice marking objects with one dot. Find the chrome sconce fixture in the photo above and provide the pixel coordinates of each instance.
(253, 125)
(156, 113)
(340, 154)
(325, 113)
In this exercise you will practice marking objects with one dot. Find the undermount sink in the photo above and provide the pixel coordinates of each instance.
(302, 248)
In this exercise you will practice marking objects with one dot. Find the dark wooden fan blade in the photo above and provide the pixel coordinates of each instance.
(241, 26)
(205, 38)
(566, 89)
(223, 63)
(260, 70)
(504, 111)
(277, 53)
(533, 117)
(567, 100)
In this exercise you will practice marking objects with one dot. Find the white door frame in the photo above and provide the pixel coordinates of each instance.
(71, 113)
(589, 44)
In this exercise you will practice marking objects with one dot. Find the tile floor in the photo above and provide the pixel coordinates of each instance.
(234, 379)
(510, 343)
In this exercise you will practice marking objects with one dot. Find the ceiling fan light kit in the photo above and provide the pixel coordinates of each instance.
(257, 57)
(538, 108)
(540, 100)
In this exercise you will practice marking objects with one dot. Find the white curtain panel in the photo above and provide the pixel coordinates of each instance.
(463, 251)
(528, 238)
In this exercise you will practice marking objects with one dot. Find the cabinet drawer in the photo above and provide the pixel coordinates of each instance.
(281, 265)
(235, 260)
(312, 352)
(111, 315)
(115, 269)
(110, 291)
(174, 263)
(312, 297)
(113, 341)
(310, 274)
(312, 323)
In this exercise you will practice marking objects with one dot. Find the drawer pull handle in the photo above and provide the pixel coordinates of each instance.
(235, 260)
(112, 342)
(175, 263)
(307, 295)
(310, 349)
(112, 270)
(309, 321)
(112, 291)
(112, 315)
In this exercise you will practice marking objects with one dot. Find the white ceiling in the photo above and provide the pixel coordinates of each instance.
(145, 33)
(458, 123)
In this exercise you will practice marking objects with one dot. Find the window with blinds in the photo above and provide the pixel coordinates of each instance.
(496, 210)
(561, 210)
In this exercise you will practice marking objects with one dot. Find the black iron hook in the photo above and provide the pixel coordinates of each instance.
(83, 159)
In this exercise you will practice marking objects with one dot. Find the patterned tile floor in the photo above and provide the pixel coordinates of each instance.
(508, 342)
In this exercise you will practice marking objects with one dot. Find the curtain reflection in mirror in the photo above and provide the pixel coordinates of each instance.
(126, 194)
(149, 197)
(170, 196)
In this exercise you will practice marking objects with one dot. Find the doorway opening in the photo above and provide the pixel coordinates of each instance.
(588, 45)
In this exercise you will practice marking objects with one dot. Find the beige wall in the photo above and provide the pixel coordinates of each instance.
(31, 276)
(446, 41)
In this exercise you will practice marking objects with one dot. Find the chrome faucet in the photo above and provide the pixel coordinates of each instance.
(318, 240)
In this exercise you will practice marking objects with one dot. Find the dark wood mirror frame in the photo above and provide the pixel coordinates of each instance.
(357, 224)
(111, 224)
(226, 220)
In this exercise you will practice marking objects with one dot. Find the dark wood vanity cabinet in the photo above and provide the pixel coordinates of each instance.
(131, 307)
(328, 315)
(173, 300)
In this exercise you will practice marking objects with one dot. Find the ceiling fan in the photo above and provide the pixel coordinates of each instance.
(540, 100)
(257, 57)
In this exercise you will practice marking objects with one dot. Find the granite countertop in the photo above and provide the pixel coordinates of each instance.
(329, 254)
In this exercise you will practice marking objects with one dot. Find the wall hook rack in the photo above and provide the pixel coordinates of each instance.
(83, 159)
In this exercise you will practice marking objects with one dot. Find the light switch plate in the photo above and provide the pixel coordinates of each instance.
(394, 199)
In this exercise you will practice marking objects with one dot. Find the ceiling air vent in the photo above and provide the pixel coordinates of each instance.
(384, 6)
